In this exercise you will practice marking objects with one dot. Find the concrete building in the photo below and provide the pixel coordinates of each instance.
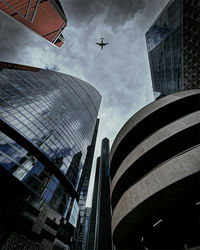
(100, 223)
(155, 176)
(45, 17)
(173, 46)
(48, 131)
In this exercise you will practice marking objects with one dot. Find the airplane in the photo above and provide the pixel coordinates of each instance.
(102, 43)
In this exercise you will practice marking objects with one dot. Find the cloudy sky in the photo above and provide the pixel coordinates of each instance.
(120, 71)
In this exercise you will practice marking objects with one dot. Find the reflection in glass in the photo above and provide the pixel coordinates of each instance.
(164, 49)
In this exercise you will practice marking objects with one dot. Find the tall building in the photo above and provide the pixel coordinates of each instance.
(45, 17)
(155, 176)
(173, 46)
(48, 123)
(86, 227)
(100, 222)
(83, 190)
(93, 217)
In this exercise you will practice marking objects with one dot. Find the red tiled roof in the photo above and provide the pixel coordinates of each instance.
(48, 21)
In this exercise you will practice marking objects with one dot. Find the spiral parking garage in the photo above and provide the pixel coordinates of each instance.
(154, 166)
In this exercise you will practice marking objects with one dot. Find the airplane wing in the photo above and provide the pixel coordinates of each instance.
(105, 43)
(99, 44)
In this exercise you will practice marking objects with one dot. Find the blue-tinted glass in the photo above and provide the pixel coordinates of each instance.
(57, 113)
(165, 49)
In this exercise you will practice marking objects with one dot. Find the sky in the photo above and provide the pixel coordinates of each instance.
(120, 72)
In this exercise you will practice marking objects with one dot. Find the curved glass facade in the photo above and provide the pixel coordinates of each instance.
(55, 112)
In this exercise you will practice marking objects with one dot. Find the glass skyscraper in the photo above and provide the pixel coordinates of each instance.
(47, 124)
(173, 47)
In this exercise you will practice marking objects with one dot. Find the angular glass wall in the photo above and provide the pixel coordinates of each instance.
(164, 45)
(33, 174)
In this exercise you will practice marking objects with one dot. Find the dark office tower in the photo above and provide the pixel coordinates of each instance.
(174, 47)
(100, 224)
(45, 17)
(104, 224)
(83, 187)
(48, 122)
(155, 176)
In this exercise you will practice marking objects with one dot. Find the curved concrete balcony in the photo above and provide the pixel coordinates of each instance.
(155, 175)
(150, 119)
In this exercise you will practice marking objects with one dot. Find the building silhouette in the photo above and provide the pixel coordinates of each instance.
(100, 222)
(48, 123)
(93, 216)
(155, 176)
(173, 47)
(45, 17)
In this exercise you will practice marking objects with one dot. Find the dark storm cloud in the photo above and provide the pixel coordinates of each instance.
(120, 72)
(113, 12)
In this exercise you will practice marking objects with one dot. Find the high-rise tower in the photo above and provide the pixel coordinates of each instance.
(83, 191)
(100, 221)
(48, 120)
(173, 46)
